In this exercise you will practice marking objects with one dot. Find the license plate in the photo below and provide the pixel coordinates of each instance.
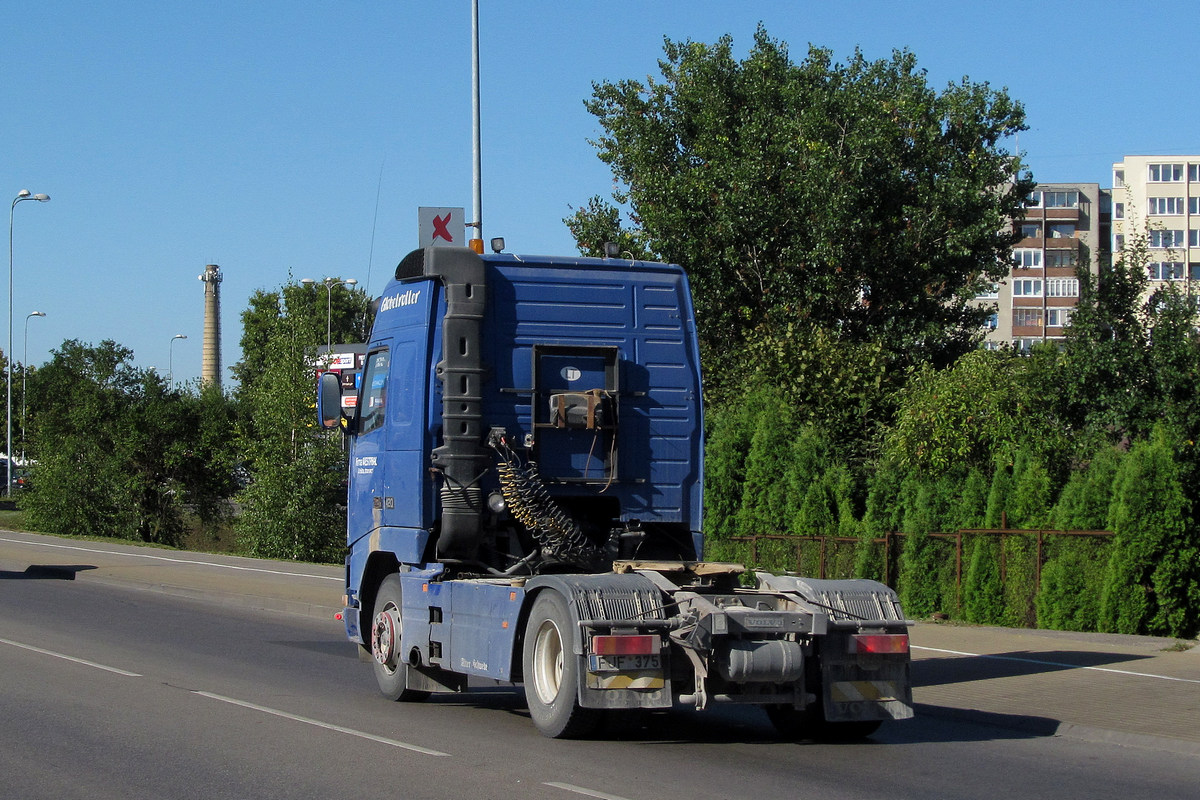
(624, 663)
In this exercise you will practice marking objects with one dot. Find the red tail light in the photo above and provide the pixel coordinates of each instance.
(638, 645)
(879, 643)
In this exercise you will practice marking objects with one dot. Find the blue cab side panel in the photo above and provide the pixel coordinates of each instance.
(390, 501)
(467, 627)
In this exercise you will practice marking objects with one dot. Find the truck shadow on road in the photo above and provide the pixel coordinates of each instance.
(747, 725)
(60, 572)
(943, 671)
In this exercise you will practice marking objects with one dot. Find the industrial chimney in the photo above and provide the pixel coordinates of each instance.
(210, 362)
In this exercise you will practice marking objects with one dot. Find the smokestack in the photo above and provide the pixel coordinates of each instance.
(210, 362)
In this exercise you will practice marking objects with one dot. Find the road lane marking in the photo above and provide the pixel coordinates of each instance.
(173, 560)
(585, 792)
(1056, 664)
(73, 659)
(317, 723)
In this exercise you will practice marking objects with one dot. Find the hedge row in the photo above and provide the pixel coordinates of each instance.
(769, 476)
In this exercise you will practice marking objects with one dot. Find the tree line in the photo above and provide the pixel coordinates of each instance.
(120, 451)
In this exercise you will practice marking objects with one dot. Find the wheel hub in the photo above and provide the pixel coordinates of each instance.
(385, 637)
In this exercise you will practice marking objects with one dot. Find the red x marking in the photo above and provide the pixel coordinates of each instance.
(439, 227)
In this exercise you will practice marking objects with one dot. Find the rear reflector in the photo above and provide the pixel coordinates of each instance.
(639, 645)
(879, 643)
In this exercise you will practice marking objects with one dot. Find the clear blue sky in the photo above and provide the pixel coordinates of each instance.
(299, 138)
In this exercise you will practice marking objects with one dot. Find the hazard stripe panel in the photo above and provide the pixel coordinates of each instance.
(859, 691)
(629, 680)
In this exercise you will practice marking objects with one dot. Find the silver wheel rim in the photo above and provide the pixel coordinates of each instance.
(385, 637)
(547, 662)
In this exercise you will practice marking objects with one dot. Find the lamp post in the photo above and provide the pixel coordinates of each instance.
(21, 197)
(171, 357)
(24, 374)
(329, 284)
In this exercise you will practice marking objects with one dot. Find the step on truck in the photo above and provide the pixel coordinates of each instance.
(526, 464)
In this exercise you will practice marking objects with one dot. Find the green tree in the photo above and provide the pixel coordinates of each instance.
(1072, 577)
(853, 195)
(960, 417)
(346, 312)
(294, 505)
(1104, 375)
(119, 452)
(1152, 584)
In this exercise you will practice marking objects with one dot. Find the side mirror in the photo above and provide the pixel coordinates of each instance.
(329, 400)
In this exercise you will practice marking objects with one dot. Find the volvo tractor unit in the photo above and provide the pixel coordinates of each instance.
(526, 464)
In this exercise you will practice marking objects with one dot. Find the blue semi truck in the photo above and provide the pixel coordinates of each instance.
(526, 465)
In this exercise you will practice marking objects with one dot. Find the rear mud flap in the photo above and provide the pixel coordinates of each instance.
(852, 692)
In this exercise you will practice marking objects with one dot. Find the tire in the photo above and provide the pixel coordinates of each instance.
(387, 644)
(810, 723)
(551, 671)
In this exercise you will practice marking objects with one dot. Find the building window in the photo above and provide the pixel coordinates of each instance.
(1193, 238)
(1031, 231)
(1058, 317)
(1118, 211)
(1194, 271)
(1166, 205)
(1034, 200)
(1024, 317)
(1171, 238)
(1061, 199)
(1026, 258)
(1118, 242)
(1062, 258)
(1194, 205)
(1166, 173)
(1062, 231)
(1118, 179)
(1165, 270)
(1062, 287)
(1194, 172)
(1027, 287)
(992, 322)
(990, 293)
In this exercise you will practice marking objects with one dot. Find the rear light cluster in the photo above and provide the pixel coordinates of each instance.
(879, 643)
(637, 645)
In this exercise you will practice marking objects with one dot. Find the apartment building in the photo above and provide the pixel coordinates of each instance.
(1065, 226)
(1160, 197)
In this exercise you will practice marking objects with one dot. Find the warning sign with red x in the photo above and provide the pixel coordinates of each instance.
(441, 227)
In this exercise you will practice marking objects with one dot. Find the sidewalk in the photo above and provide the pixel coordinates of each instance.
(1132, 690)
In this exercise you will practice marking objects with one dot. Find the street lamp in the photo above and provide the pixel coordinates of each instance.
(24, 374)
(21, 197)
(171, 357)
(329, 284)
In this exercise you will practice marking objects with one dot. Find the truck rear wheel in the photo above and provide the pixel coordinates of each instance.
(387, 641)
(552, 671)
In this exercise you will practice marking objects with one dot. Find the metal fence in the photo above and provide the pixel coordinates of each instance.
(893, 544)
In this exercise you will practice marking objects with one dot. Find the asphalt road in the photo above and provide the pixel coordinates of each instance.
(116, 691)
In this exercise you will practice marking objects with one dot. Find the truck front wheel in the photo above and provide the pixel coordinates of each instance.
(387, 658)
(552, 671)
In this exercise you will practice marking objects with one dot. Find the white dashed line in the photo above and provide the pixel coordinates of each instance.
(72, 659)
(325, 725)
